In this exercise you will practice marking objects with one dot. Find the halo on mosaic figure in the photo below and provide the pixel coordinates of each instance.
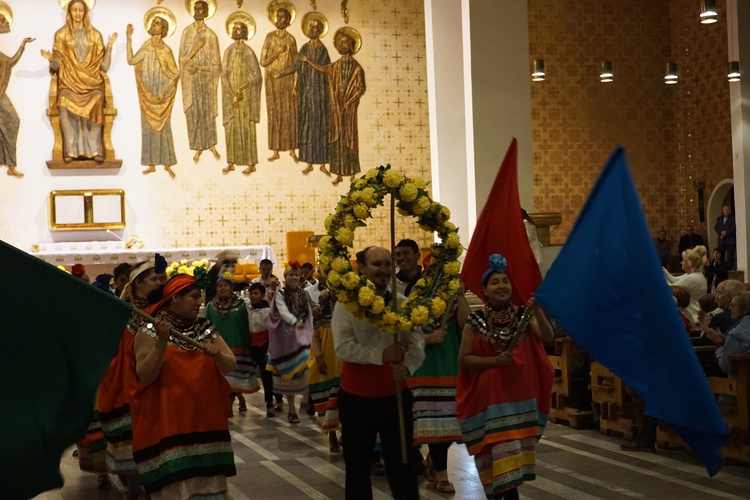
(64, 4)
(353, 34)
(165, 14)
(211, 7)
(244, 18)
(7, 12)
(430, 294)
(280, 4)
(314, 16)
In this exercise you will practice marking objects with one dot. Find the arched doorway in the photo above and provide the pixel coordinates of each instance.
(723, 194)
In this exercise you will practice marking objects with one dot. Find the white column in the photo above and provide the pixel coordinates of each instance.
(738, 33)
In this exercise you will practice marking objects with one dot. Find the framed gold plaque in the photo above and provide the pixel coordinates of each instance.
(92, 209)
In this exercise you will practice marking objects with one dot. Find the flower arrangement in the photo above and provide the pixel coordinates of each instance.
(186, 267)
(357, 293)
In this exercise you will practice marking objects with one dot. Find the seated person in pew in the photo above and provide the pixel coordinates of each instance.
(712, 324)
(737, 339)
(708, 305)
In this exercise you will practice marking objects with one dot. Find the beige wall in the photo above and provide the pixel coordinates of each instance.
(673, 134)
(203, 207)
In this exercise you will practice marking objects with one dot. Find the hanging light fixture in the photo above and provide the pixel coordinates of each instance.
(670, 77)
(708, 12)
(734, 71)
(606, 75)
(537, 70)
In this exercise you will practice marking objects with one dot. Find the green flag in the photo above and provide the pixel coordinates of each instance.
(59, 335)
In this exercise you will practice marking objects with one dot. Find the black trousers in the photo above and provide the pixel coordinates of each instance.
(259, 355)
(361, 419)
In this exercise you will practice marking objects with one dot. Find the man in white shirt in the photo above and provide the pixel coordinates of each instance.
(409, 271)
(372, 363)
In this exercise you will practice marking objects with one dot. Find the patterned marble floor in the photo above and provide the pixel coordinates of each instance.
(279, 461)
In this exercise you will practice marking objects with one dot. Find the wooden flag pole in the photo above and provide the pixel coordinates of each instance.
(175, 333)
(397, 338)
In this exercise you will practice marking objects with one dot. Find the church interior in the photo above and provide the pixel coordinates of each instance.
(448, 86)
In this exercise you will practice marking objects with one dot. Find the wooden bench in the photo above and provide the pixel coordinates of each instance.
(611, 403)
(569, 403)
(734, 403)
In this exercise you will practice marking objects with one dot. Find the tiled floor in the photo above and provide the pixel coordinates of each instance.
(279, 461)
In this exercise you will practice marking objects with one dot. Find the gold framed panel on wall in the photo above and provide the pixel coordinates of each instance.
(86, 209)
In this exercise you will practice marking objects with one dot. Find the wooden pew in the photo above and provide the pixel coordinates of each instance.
(569, 404)
(736, 413)
(611, 403)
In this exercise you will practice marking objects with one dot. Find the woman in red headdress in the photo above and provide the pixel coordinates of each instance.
(181, 441)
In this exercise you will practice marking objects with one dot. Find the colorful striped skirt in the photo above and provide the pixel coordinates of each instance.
(324, 389)
(290, 372)
(245, 377)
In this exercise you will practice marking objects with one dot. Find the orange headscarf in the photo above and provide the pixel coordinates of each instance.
(175, 285)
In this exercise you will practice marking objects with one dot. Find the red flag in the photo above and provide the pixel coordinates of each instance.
(500, 229)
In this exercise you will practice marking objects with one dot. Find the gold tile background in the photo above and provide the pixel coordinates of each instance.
(393, 128)
(673, 134)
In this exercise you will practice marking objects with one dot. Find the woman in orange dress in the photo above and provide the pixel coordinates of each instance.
(119, 383)
(181, 441)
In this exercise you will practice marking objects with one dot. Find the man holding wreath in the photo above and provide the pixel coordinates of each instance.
(372, 363)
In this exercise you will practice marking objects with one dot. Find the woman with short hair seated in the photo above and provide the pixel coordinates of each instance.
(737, 339)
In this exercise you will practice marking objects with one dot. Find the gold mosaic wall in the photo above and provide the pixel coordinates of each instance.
(673, 134)
(393, 128)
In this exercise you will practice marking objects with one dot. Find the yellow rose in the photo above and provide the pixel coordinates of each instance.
(182, 270)
(445, 212)
(174, 265)
(184, 262)
(191, 271)
(170, 272)
(452, 241)
(205, 263)
(361, 211)
(355, 196)
(334, 278)
(324, 244)
(350, 280)
(405, 325)
(378, 305)
(409, 192)
(328, 223)
(350, 221)
(196, 263)
(452, 268)
(359, 183)
(366, 296)
(342, 296)
(393, 179)
(419, 182)
(368, 197)
(352, 307)
(437, 306)
(420, 315)
(340, 264)
(454, 285)
(324, 259)
(421, 205)
(390, 318)
(459, 250)
(345, 236)
(421, 282)
(371, 174)
(449, 226)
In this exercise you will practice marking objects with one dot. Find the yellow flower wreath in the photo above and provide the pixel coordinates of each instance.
(357, 293)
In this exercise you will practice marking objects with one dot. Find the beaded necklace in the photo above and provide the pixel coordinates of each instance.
(139, 302)
(225, 306)
(497, 325)
(197, 329)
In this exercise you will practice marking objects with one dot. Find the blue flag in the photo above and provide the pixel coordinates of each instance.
(606, 289)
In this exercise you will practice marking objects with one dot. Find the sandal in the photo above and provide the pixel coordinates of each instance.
(333, 442)
(293, 418)
(103, 482)
(269, 412)
(444, 486)
(279, 406)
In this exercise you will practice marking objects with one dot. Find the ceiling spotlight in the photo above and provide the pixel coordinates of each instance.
(606, 75)
(537, 71)
(670, 77)
(708, 12)
(734, 71)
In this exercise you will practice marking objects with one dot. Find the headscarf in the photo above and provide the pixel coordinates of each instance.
(175, 285)
(497, 265)
(293, 265)
(102, 282)
(159, 264)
